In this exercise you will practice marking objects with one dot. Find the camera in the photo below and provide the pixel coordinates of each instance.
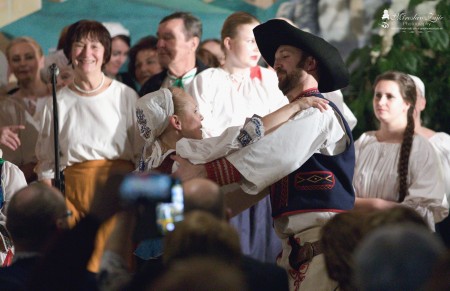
(160, 195)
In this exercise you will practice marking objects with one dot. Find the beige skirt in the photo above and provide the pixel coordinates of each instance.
(81, 180)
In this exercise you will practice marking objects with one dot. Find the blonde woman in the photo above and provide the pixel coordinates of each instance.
(20, 112)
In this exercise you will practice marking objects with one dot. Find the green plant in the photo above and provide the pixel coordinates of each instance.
(424, 53)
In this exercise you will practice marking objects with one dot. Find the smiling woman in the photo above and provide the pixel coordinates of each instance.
(97, 125)
(24, 106)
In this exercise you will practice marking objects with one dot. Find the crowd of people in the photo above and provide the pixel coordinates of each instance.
(277, 193)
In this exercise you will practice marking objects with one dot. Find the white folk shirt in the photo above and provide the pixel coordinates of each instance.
(91, 128)
(222, 105)
(376, 175)
(276, 155)
(441, 143)
(13, 111)
(12, 181)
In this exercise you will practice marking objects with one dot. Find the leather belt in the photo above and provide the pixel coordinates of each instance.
(303, 254)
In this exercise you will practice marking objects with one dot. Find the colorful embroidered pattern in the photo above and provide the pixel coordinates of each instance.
(251, 132)
(322, 180)
(299, 275)
(222, 172)
(142, 123)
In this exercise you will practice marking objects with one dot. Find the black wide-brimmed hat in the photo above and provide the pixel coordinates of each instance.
(276, 32)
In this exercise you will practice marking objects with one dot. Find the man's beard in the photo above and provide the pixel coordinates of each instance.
(290, 80)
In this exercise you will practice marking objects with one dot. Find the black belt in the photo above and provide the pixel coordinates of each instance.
(303, 254)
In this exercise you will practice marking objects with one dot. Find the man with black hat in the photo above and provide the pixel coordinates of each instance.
(308, 162)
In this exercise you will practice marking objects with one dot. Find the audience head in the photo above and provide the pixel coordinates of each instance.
(144, 63)
(201, 274)
(393, 103)
(238, 40)
(204, 194)
(202, 234)
(439, 279)
(35, 214)
(395, 215)
(120, 45)
(179, 35)
(25, 59)
(396, 257)
(214, 46)
(87, 30)
(343, 233)
(340, 237)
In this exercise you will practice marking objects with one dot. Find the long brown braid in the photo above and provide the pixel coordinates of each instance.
(408, 92)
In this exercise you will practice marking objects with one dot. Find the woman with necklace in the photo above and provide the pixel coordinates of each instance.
(97, 131)
(226, 97)
(393, 165)
(20, 112)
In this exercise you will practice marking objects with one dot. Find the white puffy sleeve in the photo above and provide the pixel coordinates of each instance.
(45, 145)
(12, 181)
(284, 150)
(426, 187)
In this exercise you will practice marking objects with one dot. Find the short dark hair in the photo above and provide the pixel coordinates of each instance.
(145, 43)
(126, 39)
(192, 25)
(88, 29)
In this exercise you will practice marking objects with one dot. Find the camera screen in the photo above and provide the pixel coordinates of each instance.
(146, 187)
(169, 213)
(162, 198)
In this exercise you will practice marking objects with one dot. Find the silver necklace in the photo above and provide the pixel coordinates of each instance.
(93, 90)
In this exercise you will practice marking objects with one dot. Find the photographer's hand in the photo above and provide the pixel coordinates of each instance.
(186, 170)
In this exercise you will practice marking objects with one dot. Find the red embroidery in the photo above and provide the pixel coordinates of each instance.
(298, 275)
(222, 172)
(306, 93)
(318, 180)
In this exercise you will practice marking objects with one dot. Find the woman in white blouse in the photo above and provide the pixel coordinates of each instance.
(226, 97)
(20, 112)
(97, 125)
(394, 166)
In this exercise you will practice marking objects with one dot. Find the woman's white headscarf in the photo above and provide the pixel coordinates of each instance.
(153, 111)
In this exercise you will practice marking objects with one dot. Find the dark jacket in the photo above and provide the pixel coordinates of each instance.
(155, 82)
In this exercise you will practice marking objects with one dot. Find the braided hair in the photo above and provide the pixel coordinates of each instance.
(408, 92)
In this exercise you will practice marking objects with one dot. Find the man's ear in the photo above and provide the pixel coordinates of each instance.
(174, 120)
(195, 43)
(311, 64)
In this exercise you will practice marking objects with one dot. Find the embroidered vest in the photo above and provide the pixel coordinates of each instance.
(322, 183)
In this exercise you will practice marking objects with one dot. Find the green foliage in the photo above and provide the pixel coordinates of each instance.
(422, 53)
